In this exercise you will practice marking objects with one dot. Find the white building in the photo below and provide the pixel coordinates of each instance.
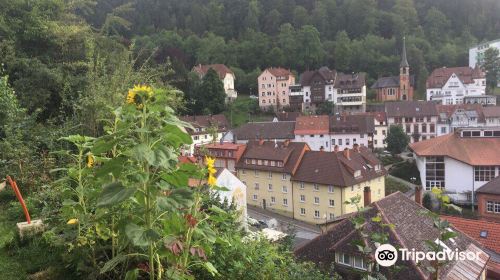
(476, 53)
(315, 131)
(236, 193)
(350, 92)
(459, 162)
(492, 116)
(273, 88)
(452, 117)
(449, 86)
(418, 118)
(206, 129)
(346, 131)
(225, 74)
(381, 129)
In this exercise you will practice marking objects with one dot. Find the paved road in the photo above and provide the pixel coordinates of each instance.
(303, 231)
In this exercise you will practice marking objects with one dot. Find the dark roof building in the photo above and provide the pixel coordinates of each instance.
(346, 168)
(410, 109)
(350, 81)
(390, 82)
(200, 123)
(285, 155)
(265, 130)
(348, 124)
(221, 70)
(411, 230)
(440, 76)
(324, 73)
(287, 116)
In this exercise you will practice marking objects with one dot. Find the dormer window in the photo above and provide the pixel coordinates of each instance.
(280, 164)
(357, 173)
(253, 161)
(273, 163)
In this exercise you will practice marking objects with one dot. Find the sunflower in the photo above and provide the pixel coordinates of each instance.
(72, 222)
(90, 160)
(138, 94)
(210, 162)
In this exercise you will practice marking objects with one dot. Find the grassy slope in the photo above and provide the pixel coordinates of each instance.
(242, 111)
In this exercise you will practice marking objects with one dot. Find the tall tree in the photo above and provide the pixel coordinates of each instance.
(210, 95)
(397, 140)
(311, 51)
(491, 65)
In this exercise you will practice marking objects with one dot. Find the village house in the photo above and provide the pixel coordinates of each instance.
(350, 93)
(318, 86)
(492, 116)
(381, 129)
(349, 130)
(459, 162)
(206, 129)
(266, 168)
(410, 229)
(488, 201)
(310, 186)
(325, 180)
(452, 117)
(226, 75)
(418, 118)
(315, 131)
(450, 85)
(273, 87)
(226, 154)
(476, 53)
(396, 87)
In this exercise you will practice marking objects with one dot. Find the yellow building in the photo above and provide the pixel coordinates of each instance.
(266, 169)
(310, 186)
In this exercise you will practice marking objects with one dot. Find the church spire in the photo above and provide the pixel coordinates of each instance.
(404, 61)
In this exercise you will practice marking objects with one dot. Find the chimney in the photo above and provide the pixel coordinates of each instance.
(261, 142)
(275, 143)
(287, 141)
(367, 195)
(355, 147)
(321, 149)
(347, 154)
(336, 148)
(418, 194)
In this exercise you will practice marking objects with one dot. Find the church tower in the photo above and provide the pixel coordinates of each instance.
(405, 92)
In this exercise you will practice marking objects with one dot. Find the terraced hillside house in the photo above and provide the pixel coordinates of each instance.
(206, 129)
(453, 117)
(411, 230)
(315, 131)
(450, 85)
(396, 88)
(266, 168)
(418, 118)
(273, 86)
(460, 162)
(381, 128)
(325, 180)
(226, 76)
(350, 93)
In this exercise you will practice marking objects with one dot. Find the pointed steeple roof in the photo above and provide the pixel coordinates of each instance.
(404, 61)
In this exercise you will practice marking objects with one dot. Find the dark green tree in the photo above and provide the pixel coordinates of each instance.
(397, 140)
(491, 65)
(210, 96)
(325, 108)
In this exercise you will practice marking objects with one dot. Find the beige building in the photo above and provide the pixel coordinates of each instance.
(273, 86)
(311, 186)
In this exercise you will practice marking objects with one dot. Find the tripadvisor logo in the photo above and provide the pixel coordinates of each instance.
(387, 255)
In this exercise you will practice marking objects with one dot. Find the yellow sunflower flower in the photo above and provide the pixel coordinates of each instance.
(210, 162)
(138, 94)
(131, 97)
(211, 180)
(72, 221)
(90, 160)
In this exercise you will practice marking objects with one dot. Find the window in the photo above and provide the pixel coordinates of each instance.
(196, 137)
(383, 132)
(316, 187)
(243, 172)
(408, 128)
(302, 211)
(270, 175)
(285, 202)
(497, 207)
(273, 163)
(333, 142)
(301, 186)
(285, 189)
(259, 162)
(331, 203)
(256, 173)
(270, 187)
(283, 177)
(256, 186)
(340, 142)
(253, 161)
(443, 130)
(359, 262)
(344, 259)
(316, 214)
(302, 198)
(273, 200)
(347, 141)
(431, 128)
(332, 216)
(434, 171)
(254, 197)
(489, 206)
(424, 128)
(331, 189)
(484, 173)
(316, 200)
(280, 164)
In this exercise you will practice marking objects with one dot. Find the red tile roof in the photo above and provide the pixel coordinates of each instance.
(279, 72)
(312, 125)
(221, 69)
(473, 229)
(473, 151)
(440, 76)
(186, 159)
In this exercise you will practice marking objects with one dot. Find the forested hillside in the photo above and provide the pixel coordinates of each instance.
(57, 52)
